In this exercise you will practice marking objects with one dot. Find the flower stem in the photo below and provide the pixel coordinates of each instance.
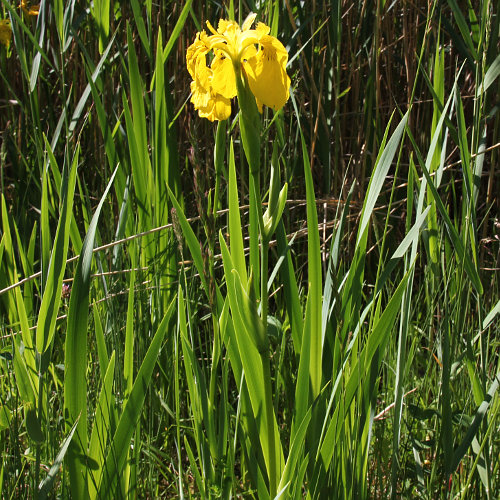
(264, 258)
(254, 231)
(271, 444)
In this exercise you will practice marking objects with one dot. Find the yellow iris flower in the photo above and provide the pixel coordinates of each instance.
(5, 32)
(237, 52)
(30, 10)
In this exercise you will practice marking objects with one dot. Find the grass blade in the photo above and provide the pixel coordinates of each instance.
(118, 451)
(46, 484)
(101, 429)
(312, 323)
(75, 354)
(51, 299)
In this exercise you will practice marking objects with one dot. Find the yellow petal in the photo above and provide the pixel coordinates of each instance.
(217, 108)
(266, 74)
(5, 32)
(262, 29)
(247, 23)
(222, 26)
(222, 108)
(200, 97)
(209, 104)
(30, 10)
(195, 54)
(223, 79)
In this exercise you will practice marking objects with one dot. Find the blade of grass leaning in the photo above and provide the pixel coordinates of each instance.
(291, 289)
(100, 12)
(46, 485)
(25, 385)
(315, 283)
(161, 153)
(107, 133)
(235, 231)
(480, 414)
(14, 303)
(479, 453)
(302, 386)
(141, 28)
(412, 237)
(128, 359)
(191, 241)
(352, 284)
(86, 93)
(495, 311)
(463, 257)
(45, 237)
(383, 164)
(75, 354)
(435, 163)
(138, 143)
(198, 397)
(118, 451)
(29, 357)
(74, 233)
(27, 262)
(490, 76)
(177, 403)
(102, 351)
(101, 429)
(51, 299)
(179, 25)
(464, 28)
(58, 10)
(296, 451)
(352, 293)
(328, 291)
(377, 338)
(35, 67)
(194, 467)
(452, 232)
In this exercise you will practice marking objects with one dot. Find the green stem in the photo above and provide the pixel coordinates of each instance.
(272, 466)
(266, 364)
(264, 300)
(255, 230)
(39, 416)
(219, 154)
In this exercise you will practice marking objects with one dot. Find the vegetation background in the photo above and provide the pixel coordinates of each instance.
(128, 365)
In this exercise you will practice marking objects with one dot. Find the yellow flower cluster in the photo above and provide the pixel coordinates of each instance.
(5, 32)
(6, 28)
(28, 9)
(237, 52)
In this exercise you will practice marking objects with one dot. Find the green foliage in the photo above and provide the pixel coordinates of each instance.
(284, 305)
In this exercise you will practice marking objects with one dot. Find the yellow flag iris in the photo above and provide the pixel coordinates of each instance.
(237, 52)
(28, 9)
(5, 32)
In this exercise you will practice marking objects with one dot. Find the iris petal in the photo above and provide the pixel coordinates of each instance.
(5, 32)
(266, 74)
(224, 78)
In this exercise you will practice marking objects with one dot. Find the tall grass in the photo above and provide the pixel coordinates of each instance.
(294, 304)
